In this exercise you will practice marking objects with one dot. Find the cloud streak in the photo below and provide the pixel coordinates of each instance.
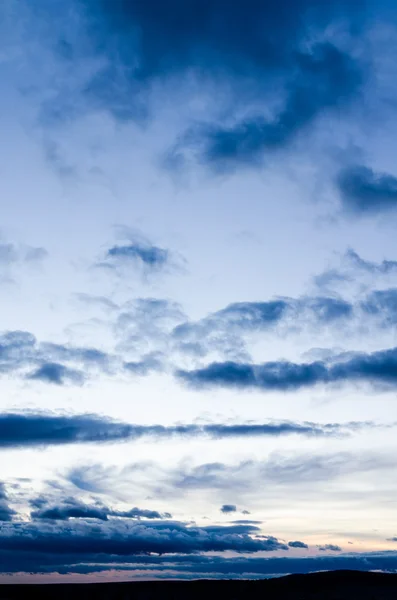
(29, 430)
(378, 369)
(70, 508)
(125, 538)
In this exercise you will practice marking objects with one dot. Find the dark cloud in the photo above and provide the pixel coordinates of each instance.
(138, 252)
(151, 256)
(6, 512)
(376, 368)
(30, 429)
(330, 548)
(297, 544)
(57, 373)
(123, 538)
(71, 508)
(192, 566)
(250, 48)
(228, 508)
(18, 430)
(325, 78)
(364, 191)
(205, 35)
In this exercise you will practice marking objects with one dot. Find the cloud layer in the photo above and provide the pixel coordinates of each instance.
(29, 430)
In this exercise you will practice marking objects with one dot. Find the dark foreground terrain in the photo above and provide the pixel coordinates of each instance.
(338, 585)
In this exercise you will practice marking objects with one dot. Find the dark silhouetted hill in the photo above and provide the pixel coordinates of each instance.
(337, 585)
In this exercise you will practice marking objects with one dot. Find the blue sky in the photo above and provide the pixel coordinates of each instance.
(198, 269)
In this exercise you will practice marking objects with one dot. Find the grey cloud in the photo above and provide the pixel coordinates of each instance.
(70, 508)
(383, 305)
(36, 429)
(21, 353)
(124, 538)
(330, 548)
(142, 46)
(195, 566)
(228, 508)
(378, 369)
(224, 331)
(148, 364)
(57, 374)
(383, 268)
(137, 252)
(299, 472)
(365, 191)
(297, 544)
(6, 512)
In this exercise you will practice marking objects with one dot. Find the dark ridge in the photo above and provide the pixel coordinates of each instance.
(336, 585)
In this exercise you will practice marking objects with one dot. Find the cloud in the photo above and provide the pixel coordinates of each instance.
(278, 470)
(330, 548)
(287, 58)
(124, 538)
(382, 304)
(20, 352)
(151, 256)
(224, 331)
(145, 324)
(324, 76)
(70, 508)
(352, 272)
(383, 268)
(14, 254)
(246, 521)
(37, 429)
(194, 566)
(297, 544)
(100, 301)
(14, 257)
(364, 191)
(6, 512)
(57, 373)
(300, 473)
(148, 364)
(377, 369)
(228, 508)
(136, 252)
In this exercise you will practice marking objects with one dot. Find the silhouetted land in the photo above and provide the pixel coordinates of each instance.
(338, 585)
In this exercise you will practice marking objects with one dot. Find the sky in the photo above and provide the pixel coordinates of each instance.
(198, 268)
